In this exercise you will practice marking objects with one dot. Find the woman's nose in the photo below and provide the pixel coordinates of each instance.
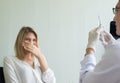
(31, 42)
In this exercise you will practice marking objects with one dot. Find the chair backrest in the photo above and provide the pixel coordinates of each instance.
(1, 75)
(113, 30)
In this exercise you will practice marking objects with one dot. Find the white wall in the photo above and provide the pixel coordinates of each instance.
(62, 26)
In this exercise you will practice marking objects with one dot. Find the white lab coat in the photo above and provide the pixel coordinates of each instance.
(107, 70)
(18, 71)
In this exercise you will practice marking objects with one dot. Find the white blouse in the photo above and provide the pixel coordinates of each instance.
(18, 71)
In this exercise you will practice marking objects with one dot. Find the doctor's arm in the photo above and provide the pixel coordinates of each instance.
(89, 61)
(108, 67)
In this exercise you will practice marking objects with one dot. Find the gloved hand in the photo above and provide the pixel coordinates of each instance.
(94, 36)
(106, 38)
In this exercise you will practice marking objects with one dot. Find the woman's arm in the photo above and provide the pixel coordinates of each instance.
(9, 72)
(47, 73)
(48, 76)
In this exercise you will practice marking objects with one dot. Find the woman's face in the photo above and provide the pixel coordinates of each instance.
(30, 38)
(117, 18)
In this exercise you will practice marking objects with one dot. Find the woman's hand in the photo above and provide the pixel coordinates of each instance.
(35, 50)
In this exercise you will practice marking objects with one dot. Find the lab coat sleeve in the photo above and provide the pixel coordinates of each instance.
(9, 72)
(87, 65)
(48, 76)
(106, 71)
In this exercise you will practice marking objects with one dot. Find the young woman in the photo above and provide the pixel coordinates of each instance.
(29, 65)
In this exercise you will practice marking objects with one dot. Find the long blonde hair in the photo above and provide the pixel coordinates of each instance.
(19, 50)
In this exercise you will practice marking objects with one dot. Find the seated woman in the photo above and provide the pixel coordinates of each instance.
(29, 65)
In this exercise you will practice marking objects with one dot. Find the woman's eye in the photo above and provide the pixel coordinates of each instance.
(35, 40)
(27, 40)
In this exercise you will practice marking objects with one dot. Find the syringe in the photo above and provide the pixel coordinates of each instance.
(99, 21)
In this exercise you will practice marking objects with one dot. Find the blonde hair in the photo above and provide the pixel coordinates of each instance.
(19, 50)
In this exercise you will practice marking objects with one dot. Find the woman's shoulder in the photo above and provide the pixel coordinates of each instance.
(9, 58)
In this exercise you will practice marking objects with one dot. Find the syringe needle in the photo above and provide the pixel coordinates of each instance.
(99, 21)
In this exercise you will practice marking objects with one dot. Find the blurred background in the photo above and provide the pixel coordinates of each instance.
(62, 26)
